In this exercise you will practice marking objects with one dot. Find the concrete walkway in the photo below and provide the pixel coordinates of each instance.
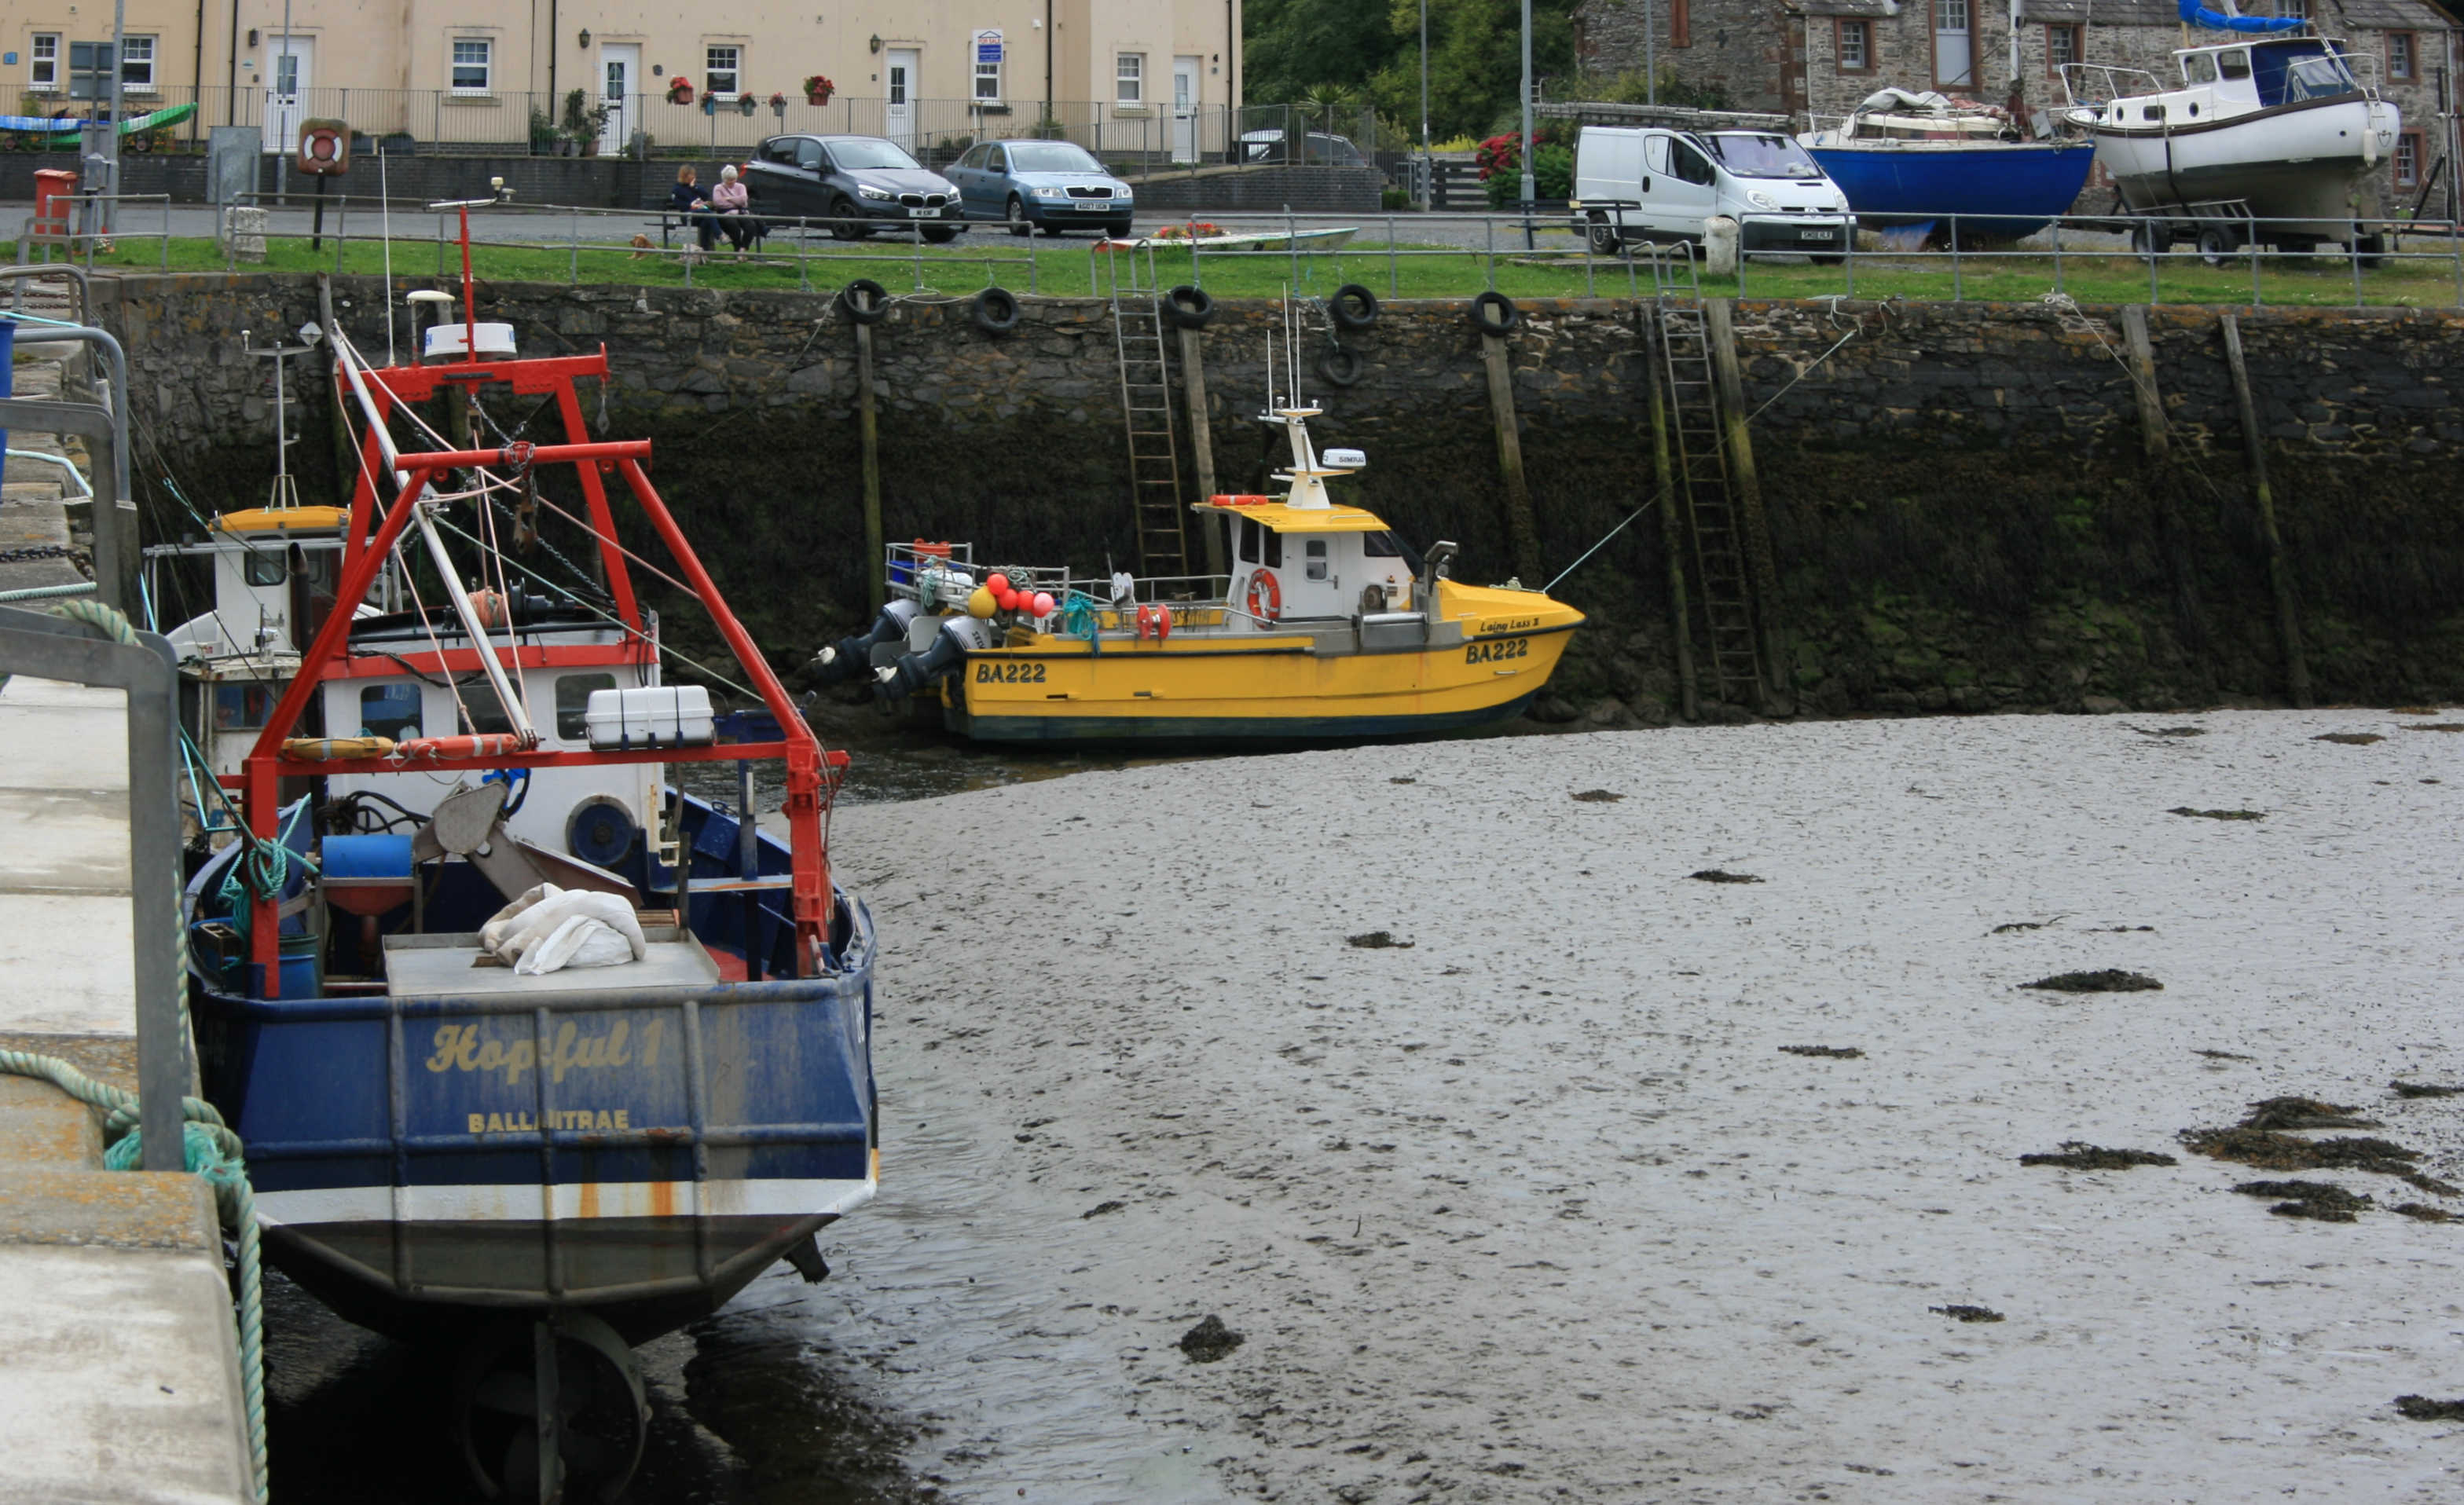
(119, 1363)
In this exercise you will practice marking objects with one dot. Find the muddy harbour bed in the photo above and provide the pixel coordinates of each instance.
(1530, 1161)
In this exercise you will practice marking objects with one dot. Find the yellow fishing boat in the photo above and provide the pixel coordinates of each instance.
(1327, 626)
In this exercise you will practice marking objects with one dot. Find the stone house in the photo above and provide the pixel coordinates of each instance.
(1819, 57)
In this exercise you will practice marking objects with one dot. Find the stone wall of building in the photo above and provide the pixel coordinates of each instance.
(1960, 506)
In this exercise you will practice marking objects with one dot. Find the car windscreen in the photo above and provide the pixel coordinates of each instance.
(855, 156)
(1051, 157)
(1762, 156)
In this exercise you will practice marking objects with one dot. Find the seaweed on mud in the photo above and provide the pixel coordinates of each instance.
(2111, 979)
(2219, 815)
(2422, 1408)
(2425, 1211)
(2223, 1055)
(2021, 924)
(1102, 1208)
(1401, 779)
(2076, 1156)
(1959, 1312)
(2302, 1113)
(1598, 797)
(1828, 1052)
(1377, 941)
(2425, 1089)
(2271, 1151)
(1210, 1339)
(1713, 875)
(2350, 739)
(2437, 725)
(2432, 1185)
(2322, 1201)
(2172, 732)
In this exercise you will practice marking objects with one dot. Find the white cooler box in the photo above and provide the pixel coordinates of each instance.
(663, 716)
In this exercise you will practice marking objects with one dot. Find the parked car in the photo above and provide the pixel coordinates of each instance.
(1651, 184)
(1036, 184)
(1317, 148)
(860, 182)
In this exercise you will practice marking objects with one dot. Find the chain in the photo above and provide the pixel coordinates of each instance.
(42, 551)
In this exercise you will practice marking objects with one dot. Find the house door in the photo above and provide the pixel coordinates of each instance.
(1184, 109)
(1954, 45)
(286, 96)
(898, 119)
(620, 67)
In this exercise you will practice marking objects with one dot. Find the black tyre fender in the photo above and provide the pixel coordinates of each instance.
(1353, 307)
(1493, 313)
(996, 310)
(1188, 307)
(1339, 366)
(875, 306)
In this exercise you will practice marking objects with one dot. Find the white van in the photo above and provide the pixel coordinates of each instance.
(1652, 183)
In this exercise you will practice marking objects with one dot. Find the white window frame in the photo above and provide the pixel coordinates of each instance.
(129, 48)
(487, 65)
(1862, 31)
(35, 61)
(2412, 66)
(1129, 80)
(734, 70)
(2407, 145)
(988, 81)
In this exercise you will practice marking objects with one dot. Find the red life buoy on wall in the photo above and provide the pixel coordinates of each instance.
(1266, 596)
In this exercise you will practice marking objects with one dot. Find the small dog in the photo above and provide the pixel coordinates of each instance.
(642, 247)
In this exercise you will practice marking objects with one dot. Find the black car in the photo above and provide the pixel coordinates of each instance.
(861, 183)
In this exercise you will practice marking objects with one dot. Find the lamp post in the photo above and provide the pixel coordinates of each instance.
(1650, 59)
(1428, 158)
(1524, 146)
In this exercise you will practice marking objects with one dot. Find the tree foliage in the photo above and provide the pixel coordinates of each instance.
(1302, 47)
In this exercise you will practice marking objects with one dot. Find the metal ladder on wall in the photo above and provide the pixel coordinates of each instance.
(1702, 464)
(1129, 275)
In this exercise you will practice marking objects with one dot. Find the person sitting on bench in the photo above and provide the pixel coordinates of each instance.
(734, 204)
(686, 200)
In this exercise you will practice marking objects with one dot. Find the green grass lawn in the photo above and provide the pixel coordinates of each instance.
(1070, 268)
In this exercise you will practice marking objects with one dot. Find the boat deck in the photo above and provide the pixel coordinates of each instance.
(429, 966)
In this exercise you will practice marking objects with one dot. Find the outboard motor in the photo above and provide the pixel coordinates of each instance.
(850, 657)
(914, 672)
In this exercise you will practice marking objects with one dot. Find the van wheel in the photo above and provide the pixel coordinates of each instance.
(2371, 252)
(1604, 237)
(1826, 258)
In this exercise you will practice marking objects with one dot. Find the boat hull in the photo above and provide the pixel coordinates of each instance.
(2309, 162)
(2000, 188)
(1264, 689)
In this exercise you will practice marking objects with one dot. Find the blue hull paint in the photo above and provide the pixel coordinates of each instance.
(1217, 730)
(2003, 189)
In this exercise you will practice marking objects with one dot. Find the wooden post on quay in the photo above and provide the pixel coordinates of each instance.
(1201, 442)
(2280, 570)
(1672, 542)
(1519, 526)
(2142, 381)
(868, 430)
(1719, 322)
(2158, 447)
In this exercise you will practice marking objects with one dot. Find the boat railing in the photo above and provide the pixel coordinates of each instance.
(2103, 83)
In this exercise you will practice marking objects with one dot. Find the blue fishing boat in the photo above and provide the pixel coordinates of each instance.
(1911, 163)
(532, 1050)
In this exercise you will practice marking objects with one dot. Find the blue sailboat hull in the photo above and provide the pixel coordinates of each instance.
(2003, 189)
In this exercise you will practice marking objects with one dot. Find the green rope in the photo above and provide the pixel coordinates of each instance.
(211, 1150)
(1078, 620)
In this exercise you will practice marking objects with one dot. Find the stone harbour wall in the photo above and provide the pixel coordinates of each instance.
(1961, 508)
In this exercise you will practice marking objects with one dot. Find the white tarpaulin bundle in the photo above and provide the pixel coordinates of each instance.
(548, 928)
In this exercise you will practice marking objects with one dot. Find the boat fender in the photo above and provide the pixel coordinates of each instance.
(1493, 313)
(2369, 148)
(492, 744)
(322, 750)
(1266, 596)
(1339, 366)
(1352, 306)
(871, 309)
(1188, 307)
(996, 310)
(851, 656)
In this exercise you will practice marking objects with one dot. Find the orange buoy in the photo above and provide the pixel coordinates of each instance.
(494, 744)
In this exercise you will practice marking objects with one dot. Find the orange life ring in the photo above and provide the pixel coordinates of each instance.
(1266, 596)
(494, 744)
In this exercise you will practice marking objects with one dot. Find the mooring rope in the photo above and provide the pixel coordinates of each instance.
(210, 1149)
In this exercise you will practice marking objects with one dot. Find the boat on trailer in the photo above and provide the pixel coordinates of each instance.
(1912, 162)
(1329, 627)
(545, 1166)
(2270, 124)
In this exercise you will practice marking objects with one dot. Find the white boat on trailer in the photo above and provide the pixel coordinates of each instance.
(2271, 136)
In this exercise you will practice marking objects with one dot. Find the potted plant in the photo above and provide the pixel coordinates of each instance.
(583, 124)
(680, 90)
(818, 90)
(779, 105)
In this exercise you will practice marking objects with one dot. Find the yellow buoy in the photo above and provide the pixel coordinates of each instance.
(979, 603)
